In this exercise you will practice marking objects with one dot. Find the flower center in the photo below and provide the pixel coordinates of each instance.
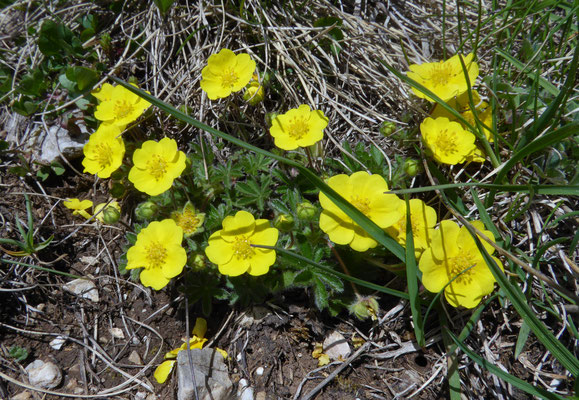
(157, 166)
(361, 203)
(298, 128)
(156, 254)
(104, 155)
(229, 78)
(123, 108)
(446, 143)
(242, 248)
(460, 267)
(188, 221)
(441, 74)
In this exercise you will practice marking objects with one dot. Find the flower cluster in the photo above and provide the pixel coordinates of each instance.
(447, 139)
(448, 256)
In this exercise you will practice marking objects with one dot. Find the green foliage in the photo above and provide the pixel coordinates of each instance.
(18, 353)
(27, 243)
(164, 5)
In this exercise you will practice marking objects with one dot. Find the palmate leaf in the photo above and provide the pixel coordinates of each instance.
(365, 223)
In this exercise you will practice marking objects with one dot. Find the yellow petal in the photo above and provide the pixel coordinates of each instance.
(162, 372)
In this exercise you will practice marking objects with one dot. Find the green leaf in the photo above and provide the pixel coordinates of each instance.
(18, 353)
(412, 279)
(54, 39)
(33, 83)
(84, 77)
(522, 339)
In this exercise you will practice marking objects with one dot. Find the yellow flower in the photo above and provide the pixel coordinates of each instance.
(230, 248)
(299, 127)
(449, 142)
(104, 151)
(226, 73)
(102, 215)
(453, 254)
(461, 104)
(156, 165)
(444, 78)
(367, 193)
(423, 220)
(189, 219)
(78, 207)
(118, 106)
(159, 253)
(196, 341)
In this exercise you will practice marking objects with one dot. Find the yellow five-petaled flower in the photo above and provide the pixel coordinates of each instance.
(299, 127)
(448, 141)
(368, 194)
(104, 151)
(118, 106)
(226, 73)
(454, 257)
(159, 253)
(445, 79)
(231, 248)
(156, 165)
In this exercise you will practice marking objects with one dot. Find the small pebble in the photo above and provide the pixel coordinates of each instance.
(259, 371)
(57, 342)
(83, 288)
(117, 333)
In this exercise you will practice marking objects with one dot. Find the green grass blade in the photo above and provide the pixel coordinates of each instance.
(518, 383)
(412, 279)
(517, 298)
(357, 281)
(557, 190)
(365, 223)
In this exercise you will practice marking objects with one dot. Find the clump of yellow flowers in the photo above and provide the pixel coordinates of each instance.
(448, 140)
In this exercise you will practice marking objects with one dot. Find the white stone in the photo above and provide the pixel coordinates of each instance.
(336, 346)
(58, 141)
(57, 342)
(42, 374)
(259, 371)
(117, 333)
(211, 375)
(83, 288)
(244, 392)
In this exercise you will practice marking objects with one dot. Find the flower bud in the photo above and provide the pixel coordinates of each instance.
(412, 167)
(106, 43)
(254, 94)
(111, 214)
(306, 211)
(387, 128)
(365, 307)
(284, 222)
(197, 263)
(146, 211)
